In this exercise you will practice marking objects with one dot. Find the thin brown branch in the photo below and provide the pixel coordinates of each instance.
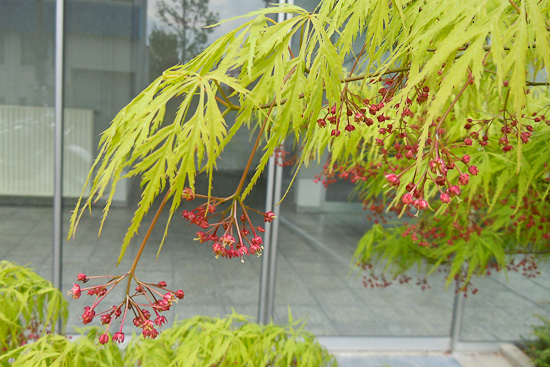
(468, 82)
(485, 47)
(350, 79)
(534, 84)
(146, 238)
(515, 6)
(229, 104)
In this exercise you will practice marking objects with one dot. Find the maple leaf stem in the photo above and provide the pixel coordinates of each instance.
(145, 239)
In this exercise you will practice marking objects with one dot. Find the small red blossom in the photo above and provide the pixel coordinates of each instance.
(445, 198)
(161, 320)
(81, 277)
(188, 194)
(104, 338)
(407, 199)
(349, 128)
(75, 291)
(105, 318)
(420, 204)
(473, 170)
(268, 217)
(118, 337)
(454, 190)
(463, 179)
(393, 179)
(88, 315)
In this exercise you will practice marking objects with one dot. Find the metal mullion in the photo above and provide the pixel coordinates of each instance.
(58, 151)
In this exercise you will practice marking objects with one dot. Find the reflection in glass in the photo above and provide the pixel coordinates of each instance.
(26, 132)
(506, 306)
(184, 32)
(316, 244)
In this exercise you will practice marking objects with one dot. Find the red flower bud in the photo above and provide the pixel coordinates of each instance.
(393, 179)
(269, 216)
(188, 194)
(104, 338)
(454, 190)
(463, 179)
(82, 278)
(118, 337)
(407, 199)
(445, 198)
(410, 187)
(420, 204)
(473, 170)
(75, 291)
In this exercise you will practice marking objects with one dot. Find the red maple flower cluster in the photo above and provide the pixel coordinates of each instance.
(230, 231)
(157, 298)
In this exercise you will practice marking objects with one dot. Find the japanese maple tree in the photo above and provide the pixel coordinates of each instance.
(441, 117)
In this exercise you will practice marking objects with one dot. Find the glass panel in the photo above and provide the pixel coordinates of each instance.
(506, 306)
(113, 50)
(316, 243)
(26, 133)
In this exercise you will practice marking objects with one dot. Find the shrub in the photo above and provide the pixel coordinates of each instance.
(199, 341)
(229, 341)
(31, 306)
(539, 348)
(58, 350)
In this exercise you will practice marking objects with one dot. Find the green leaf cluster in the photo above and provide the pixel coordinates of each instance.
(54, 350)
(229, 341)
(30, 306)
(199, 341)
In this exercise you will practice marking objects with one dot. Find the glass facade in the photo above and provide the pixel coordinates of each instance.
(26, 132)
(113, 49)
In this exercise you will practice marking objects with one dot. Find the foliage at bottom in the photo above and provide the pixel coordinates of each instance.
(199, 341)
(538, 349)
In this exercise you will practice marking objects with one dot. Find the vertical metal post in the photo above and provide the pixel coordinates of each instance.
(58, 151)
(274, 238)
(269, 256)
(263, 315)
(457, 316)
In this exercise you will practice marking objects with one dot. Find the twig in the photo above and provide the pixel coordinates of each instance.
(145, 239)
(515, 6)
